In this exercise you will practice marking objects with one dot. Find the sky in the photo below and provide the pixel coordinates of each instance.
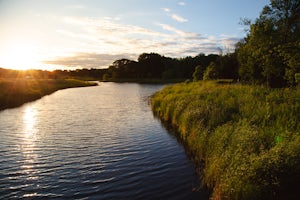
(70, 34)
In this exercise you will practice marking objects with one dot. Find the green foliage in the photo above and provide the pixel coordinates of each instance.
(270, 52)
(155, 66)
(297, 78)
(247, 136)
(228, 66)
(210, 72)
(198, 73)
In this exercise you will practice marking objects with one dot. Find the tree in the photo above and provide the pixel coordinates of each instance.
(211, 72)
(268, 53)
(152, 64)
(228, 66)
(198, 73)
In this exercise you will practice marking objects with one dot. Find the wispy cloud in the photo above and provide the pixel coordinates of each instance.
(174, 16)
(109, 39)
(167, 10)
(178, 32)
(89, 60)
(181, 3)
(178, 18)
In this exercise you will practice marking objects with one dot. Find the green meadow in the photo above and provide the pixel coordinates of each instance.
(16, 91)
(245, 139)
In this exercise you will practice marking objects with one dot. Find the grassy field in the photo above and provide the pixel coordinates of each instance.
(245, 138)
(15, 92)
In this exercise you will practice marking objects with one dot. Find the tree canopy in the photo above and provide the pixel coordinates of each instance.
(271, 51)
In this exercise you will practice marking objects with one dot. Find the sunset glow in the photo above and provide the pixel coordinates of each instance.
(74, 34)
(20, 57)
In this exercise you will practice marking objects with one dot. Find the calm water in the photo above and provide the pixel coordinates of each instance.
(92, 143)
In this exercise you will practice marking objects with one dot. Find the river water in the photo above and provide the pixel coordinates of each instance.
(92, 143)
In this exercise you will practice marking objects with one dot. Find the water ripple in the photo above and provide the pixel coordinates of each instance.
(92, 143)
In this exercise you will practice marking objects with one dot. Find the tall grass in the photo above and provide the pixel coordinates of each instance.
(15, 92)
(248, 137)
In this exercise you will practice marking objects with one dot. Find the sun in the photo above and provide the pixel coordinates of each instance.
(20, 57)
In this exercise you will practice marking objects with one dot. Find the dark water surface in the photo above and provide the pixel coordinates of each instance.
(92, 143)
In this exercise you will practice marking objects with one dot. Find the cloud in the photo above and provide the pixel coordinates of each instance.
(181, 3)
(178, 18)
(229, 42)
(89, 60)
(110, 39)
(181, 33)
(174, 16)
(167, 10)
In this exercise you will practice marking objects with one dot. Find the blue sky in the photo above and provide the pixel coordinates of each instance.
(71, 34)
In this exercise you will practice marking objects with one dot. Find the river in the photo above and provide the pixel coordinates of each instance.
(92, 143)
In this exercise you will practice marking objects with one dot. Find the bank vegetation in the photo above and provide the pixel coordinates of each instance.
(17, 91)
(245, 139)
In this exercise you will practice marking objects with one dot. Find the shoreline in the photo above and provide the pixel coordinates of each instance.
(18, 91)
(244, 139)
(144, 81)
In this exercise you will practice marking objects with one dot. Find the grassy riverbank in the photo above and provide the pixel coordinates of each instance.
(247, 138)
(16, 91)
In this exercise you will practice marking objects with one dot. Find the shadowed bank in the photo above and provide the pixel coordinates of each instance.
(16, 91)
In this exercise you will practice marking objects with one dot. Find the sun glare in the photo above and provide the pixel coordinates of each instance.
(20, 57)
(29, 121)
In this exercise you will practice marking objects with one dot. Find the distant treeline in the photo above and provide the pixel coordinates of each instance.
(153, 65)
(56, 74)
(148, 66)
(268, 55)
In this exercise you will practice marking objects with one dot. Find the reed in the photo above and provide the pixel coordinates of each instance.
(246, 138)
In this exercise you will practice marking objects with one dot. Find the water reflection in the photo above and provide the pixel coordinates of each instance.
(92, 143)
(29, 122)
(28, 147)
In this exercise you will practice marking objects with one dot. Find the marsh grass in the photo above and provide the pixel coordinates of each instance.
(15, 92)
(248, 137)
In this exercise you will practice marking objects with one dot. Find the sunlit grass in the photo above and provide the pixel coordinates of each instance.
(247, 136)
(16, 91)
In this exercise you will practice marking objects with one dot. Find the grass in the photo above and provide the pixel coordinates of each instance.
(17, 91)
(246, 138)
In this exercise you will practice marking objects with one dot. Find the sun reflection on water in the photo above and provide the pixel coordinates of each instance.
(29, 122)
(28, 146)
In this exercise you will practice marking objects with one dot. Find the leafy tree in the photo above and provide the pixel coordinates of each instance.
(198, 74)
(228, 66)
(211, 72)
(152, 64)
(270, 52)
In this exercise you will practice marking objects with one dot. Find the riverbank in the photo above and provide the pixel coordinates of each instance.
(17, 91)
(143, 80)
(246, 138)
